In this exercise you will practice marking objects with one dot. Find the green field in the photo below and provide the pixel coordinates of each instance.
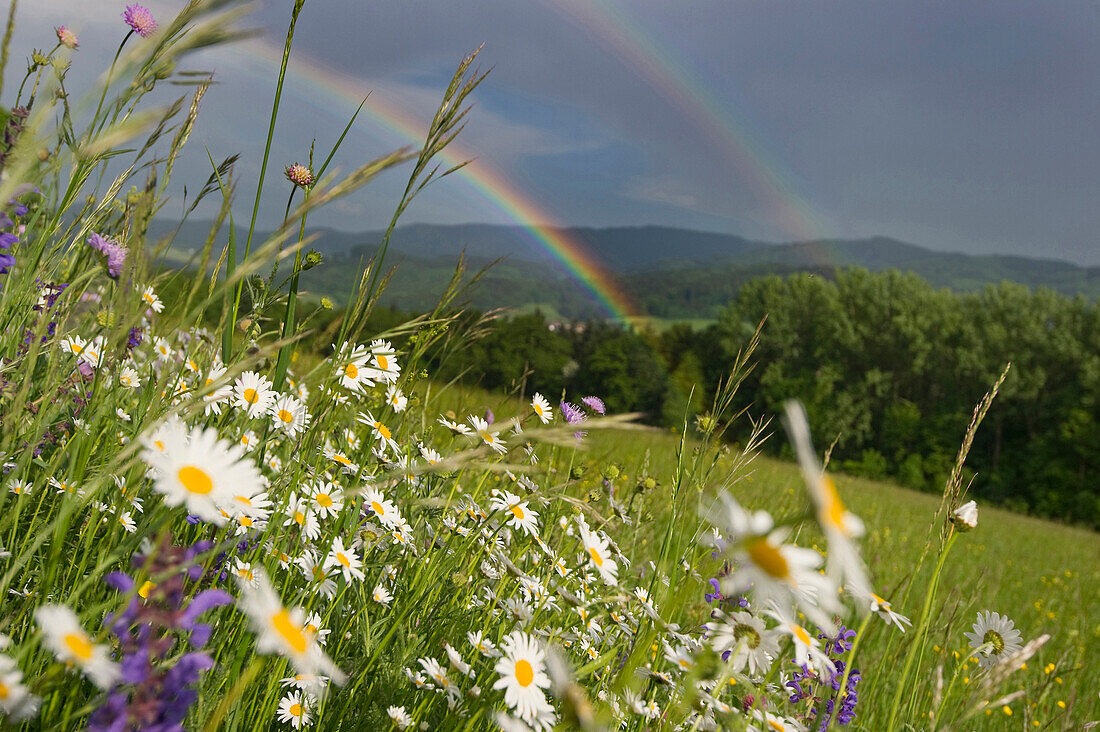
(1043, 575)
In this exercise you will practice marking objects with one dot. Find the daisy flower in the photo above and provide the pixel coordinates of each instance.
(523, 677)
(315, 627)
(456, 428)
(484, 646)
(399, 717)
(774, 723)
(253, 394)
(70, 644)
(219, 394)
(314, 570)
(15, 699)
(965, 517)
(994, 638)
(151, 299)
(396, 399)
(520, 516)
(244, 571)
(884, 610)
(294, 710)
(289, 415)
(599, 554)
(381, 595)
(841, 526)
(129, 378)
(199, 470)
(542, 408)
(781, 574)
(384, 358)
(381, 432)
(298, 511)
(312, 684)
(282, 631)
(345, 560)
(807, 649)
(743, 641)
(481, 427)
(383, 509)
(326, 499)
(353, 369)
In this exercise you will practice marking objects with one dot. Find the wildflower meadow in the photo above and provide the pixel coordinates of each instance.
(225, 505)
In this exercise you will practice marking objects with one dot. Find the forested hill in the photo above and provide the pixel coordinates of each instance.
(667, 272)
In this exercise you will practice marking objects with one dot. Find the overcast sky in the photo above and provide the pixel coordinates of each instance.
(968, 126)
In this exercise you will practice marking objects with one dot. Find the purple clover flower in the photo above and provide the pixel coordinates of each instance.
(115, 252)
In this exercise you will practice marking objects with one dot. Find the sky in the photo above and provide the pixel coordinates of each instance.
(954, 124)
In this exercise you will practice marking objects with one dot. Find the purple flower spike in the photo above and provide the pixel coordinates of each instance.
(140, 19)
(572, 413)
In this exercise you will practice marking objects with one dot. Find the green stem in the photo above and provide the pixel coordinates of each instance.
(848, 666)
(7, 41)
(110, 75)
(922, 630)
(298, 5)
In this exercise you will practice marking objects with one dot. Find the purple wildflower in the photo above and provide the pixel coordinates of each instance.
(115, 252)
(571, 413)
(156, 691)
(595, 404)
(140, 19)
(824, 691)
(489, 416)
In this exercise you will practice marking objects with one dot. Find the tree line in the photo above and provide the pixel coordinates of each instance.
(887, 365)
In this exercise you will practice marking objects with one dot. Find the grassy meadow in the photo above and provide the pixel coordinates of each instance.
(217, 513)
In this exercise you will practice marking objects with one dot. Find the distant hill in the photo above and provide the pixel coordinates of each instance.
(667, 272)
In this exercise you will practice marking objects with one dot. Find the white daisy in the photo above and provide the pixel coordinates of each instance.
(519, 515)
(455, 427)
(199, 470)
(344, 560)
(129, 378)
(381, 595)
(383, 509)
(300, 512)
(542, 408)
(384, 358)
(884, 610)
(282, 631)
(16, 701)
(294, 709)
(994, 638)
(289, 415)
(399, 717)
(397, 401)
(71, 644)
(523, 676)
(151, 299)
(353, 369)
(745, 638)
(481, 427)
(599, 554)
(253, 394)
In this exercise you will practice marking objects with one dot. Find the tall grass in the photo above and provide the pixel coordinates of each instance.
(214, 515)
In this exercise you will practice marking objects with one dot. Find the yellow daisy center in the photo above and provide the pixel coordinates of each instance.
(341, 459)
(79, 645)
(596, 556)
(286, 416)
(768, 558)
(289, 631)
(251, 396)
(195, 480)
(378, 509)
(801, 634)
(343, 559)
(382, 361)
(296, 710)
(524, 673)
(518, 512)
(351, 371)
(4, 693)
(299, 517)
(145, 589)
(834, 507)
(383, 430)
(324, 500)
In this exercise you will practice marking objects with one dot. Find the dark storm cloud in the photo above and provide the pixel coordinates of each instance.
(959, 125)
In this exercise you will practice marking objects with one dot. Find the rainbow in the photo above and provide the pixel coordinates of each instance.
(638, 51)
(490, 184)
(644, 54)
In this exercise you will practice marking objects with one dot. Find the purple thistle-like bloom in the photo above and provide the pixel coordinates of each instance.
(824, 690)
(572, 413)
(115, 252)
(595, 404)
(140, 19)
